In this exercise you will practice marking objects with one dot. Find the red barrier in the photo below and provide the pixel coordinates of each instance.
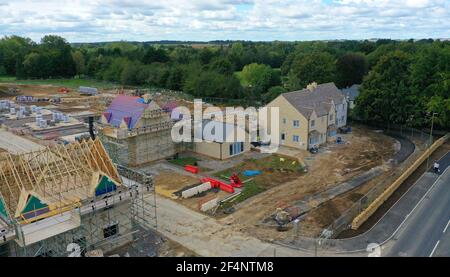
(218, 184)
(191, 168)
(235, 181)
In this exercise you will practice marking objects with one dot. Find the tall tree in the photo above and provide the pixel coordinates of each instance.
(385, 93)
(316, 67)
(350, 69)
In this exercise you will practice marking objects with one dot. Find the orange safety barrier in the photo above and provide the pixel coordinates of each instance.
(191, 168)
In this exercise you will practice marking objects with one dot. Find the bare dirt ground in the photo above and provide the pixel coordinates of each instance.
(335, 164)
(410, 181)
(71, 102)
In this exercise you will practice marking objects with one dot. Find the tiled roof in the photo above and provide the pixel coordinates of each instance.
(319, 99)
(124, 106)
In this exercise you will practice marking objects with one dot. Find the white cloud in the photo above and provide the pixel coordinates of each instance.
(102, 20)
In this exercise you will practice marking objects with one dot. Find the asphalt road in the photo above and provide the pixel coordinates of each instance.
(425, 232)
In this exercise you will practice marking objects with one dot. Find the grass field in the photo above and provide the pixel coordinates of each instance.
(69, 83)
(185, 161)
(275, 170)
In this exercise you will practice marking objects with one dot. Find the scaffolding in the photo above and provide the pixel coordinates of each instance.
(93, 221)
(150, 141)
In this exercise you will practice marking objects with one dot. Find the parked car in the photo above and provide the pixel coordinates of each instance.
(345, 129)
(314, 149)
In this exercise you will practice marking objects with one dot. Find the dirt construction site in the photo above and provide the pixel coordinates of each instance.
(311, 189)
(331, 182)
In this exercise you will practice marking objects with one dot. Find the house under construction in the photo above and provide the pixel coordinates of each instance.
(136, 131)
(69, 200)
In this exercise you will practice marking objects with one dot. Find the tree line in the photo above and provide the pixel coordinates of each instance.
(402, 81)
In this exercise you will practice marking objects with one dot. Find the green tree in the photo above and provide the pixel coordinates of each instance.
(273, 93)
(153, 55)
(259, 75)
(351, 69)
(79, 61)
(316, 67)
(213, 84)
(113, 72)
(385, 93)
(175, 78)
(222, 66)
(129, 74)
(59, 53)
(12, 52)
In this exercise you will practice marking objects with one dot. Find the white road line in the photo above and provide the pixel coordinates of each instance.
(434, 249)
(445, 230)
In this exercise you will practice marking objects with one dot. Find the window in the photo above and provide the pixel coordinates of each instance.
(296, 138)
(313, 122)
(284, 120)
(236, 148)
(283, 136)
(331, 117)
(296, 123)
(110, 230)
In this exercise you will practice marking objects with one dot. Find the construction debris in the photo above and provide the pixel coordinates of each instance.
(196, 190)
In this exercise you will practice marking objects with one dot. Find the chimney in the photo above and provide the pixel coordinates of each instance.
(311, 87)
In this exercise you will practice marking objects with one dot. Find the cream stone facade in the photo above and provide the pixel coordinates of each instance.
(310, 117)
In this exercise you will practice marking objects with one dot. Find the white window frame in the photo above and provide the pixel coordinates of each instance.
(293, 123)
(294, 137)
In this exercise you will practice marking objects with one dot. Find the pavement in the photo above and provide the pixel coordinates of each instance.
(426, 232)
(406, 149)
(208, 237)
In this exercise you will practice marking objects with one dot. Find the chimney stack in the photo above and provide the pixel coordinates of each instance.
(311, 87)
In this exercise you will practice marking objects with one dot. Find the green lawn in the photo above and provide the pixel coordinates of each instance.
(184, 161)
(69, 83)
(255, 185)
(250, 189)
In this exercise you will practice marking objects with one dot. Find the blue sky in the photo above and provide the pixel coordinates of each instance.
(144, 20)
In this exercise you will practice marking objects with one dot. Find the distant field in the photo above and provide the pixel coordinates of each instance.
(70, 83)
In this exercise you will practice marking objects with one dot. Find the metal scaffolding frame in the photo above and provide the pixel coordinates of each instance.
(149, 142)
(101, 222)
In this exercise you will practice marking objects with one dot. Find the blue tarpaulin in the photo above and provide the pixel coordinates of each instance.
(252, 172)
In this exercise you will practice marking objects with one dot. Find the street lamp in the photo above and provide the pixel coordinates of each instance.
(431, 135)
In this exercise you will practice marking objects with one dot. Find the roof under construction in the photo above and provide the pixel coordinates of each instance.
(54, 179)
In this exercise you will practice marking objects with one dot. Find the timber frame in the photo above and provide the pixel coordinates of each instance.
(59, 176)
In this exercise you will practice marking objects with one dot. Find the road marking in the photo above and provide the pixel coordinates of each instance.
(445, 230)
(434, 249)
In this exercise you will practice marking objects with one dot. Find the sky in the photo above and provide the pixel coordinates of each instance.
(205, 20)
